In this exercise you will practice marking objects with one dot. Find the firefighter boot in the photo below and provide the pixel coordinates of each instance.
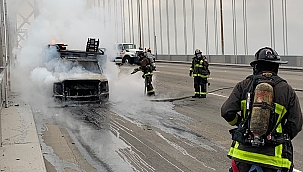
(151, 94)
(202, 96)
(195, 96)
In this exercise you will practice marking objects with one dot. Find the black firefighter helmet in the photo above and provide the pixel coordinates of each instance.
(198, 54)
(197, 51)
(267, 54)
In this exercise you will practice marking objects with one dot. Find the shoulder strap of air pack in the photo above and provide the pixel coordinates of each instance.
(257, 79)
(149, 61)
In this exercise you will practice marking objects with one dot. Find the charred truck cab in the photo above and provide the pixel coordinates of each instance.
(87, 86)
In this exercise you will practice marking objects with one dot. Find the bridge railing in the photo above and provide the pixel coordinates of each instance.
(2, 95)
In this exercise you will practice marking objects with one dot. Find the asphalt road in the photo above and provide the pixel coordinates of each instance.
(136, 133)
(222, 77)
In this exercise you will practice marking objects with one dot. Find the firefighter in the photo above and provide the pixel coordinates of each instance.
(199, 70)
(147, 69)
(149, 50)
(279, 106)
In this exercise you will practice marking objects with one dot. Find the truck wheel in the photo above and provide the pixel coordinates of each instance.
(58, 100)
(127, 60)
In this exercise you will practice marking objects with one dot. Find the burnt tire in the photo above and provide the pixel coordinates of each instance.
(58, 101)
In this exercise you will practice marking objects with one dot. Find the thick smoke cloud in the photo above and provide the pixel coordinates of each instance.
(71, 22)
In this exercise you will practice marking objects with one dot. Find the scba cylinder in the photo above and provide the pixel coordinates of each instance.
(263, 98)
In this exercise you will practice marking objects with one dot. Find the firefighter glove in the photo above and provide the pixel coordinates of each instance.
(134, 71)
(190, 73)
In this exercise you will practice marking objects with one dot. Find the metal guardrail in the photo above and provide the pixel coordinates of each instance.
(2, 95)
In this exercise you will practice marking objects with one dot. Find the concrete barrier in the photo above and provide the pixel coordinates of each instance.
(293, 61)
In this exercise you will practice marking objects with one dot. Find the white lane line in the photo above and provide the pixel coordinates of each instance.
(182, 150)
(131, 155)
(218, 95)
(151, 149)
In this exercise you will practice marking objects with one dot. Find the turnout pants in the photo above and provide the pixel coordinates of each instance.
(149, 86)
(200, 86)
(237, 166)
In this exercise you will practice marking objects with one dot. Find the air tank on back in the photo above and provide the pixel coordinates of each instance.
(261, 113)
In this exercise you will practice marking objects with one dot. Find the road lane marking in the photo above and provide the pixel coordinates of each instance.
(182, 150)
(218, 95)
(150, 148)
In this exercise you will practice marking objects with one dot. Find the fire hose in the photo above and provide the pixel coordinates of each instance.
(184, 97)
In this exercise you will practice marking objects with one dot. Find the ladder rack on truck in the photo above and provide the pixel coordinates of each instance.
(92, 45)
(92, 50)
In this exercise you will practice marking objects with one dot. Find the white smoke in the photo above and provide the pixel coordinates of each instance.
(70, 22)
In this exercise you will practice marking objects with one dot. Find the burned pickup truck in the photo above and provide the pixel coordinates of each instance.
(82, 80)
